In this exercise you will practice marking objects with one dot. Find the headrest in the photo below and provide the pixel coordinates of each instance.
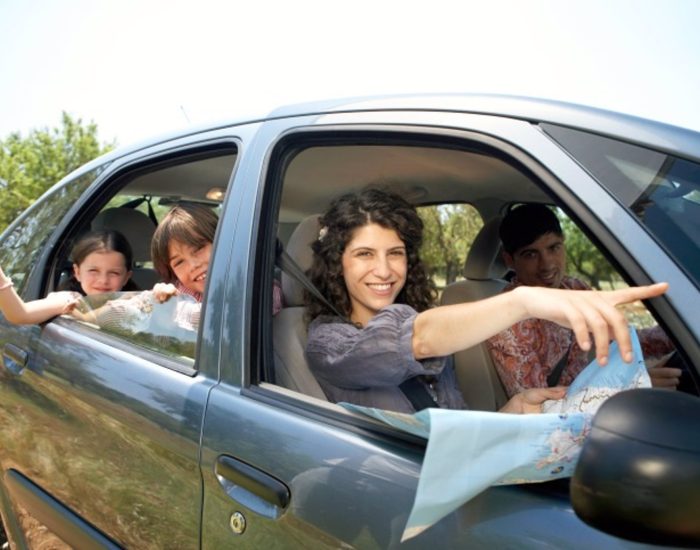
(484, 261)
(299, 249)
(136, 226)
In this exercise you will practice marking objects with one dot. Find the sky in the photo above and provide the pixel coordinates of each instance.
(139, 68)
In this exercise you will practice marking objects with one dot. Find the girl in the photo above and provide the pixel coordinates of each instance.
(102, 262)
(392, 343)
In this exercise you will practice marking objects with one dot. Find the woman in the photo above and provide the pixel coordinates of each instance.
(385, 332)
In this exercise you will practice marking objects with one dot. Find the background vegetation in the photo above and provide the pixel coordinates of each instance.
(451, 229)
(30, 165)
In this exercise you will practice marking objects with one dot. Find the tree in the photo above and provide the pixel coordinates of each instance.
(29, 166)
(449, 231)
(584, 259)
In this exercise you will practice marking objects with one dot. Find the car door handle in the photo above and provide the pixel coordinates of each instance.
(14, 358)
(242, 481)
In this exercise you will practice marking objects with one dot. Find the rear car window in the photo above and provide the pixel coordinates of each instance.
(169, 328)
(23, 243)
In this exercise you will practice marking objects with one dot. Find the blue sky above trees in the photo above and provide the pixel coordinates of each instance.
(141, 68)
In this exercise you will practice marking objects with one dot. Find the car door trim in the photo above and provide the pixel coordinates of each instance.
(59, 519)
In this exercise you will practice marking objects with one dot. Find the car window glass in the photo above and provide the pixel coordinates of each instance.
(585, 261)
(169, 328)
(661, 190)
(23, 244)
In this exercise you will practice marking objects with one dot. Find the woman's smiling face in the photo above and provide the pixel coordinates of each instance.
(374, 268)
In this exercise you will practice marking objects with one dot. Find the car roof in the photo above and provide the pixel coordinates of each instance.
(656, 134)
(663, 137)
(666, 137)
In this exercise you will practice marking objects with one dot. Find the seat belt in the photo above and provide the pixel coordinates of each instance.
(555, 375)
(136, 202)
(416, 393)
(291, 268)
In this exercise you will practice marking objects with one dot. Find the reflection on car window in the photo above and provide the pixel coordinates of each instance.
(169, 328)
(663, 191)
(21, 247)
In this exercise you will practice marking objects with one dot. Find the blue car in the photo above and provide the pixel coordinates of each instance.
(141, 433)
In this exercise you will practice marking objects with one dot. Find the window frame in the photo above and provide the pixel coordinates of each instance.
(94, 199)
(279, 156)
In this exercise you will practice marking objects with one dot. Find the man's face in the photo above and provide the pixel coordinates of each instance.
(540, 263)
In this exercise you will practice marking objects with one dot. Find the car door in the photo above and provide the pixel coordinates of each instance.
(101, 429)
(282, 468)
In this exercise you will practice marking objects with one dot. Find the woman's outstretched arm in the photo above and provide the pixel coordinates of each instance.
(446, 329)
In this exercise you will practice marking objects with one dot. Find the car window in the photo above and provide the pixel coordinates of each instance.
(661, 190)
(440, 178)
(169, 328)
(133, 202)
(586, 262)
(22, 245)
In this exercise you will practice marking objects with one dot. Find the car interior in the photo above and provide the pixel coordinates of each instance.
(137, 198)
(427, 175)
(305, 176)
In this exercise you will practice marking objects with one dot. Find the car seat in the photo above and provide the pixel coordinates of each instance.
(484, 273)
(138, 229)
(289, 326)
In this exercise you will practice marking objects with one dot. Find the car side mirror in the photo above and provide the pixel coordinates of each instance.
(638, 475)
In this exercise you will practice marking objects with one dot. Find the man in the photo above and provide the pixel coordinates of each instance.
(536, 353)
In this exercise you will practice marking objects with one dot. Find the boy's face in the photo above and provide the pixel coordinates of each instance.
(189, 264)
(540, 263)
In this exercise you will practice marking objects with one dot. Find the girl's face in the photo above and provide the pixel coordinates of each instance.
(374, 268)
(102, 271)
(189, 264)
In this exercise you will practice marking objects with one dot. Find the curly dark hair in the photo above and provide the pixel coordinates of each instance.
(338, 224)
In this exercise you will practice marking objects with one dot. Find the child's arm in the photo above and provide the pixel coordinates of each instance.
(18, 312)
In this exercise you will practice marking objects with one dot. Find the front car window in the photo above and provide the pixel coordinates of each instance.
(661, 190)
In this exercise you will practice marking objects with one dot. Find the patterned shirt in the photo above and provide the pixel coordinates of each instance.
(525, 354)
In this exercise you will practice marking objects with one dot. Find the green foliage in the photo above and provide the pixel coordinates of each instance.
(29, 166)
(584, 260)
(449, 231)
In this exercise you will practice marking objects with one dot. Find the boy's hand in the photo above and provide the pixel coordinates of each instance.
(162, 292)
(530, 401)
(664, 377)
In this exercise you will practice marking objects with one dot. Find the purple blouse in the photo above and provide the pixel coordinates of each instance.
(365, 365)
